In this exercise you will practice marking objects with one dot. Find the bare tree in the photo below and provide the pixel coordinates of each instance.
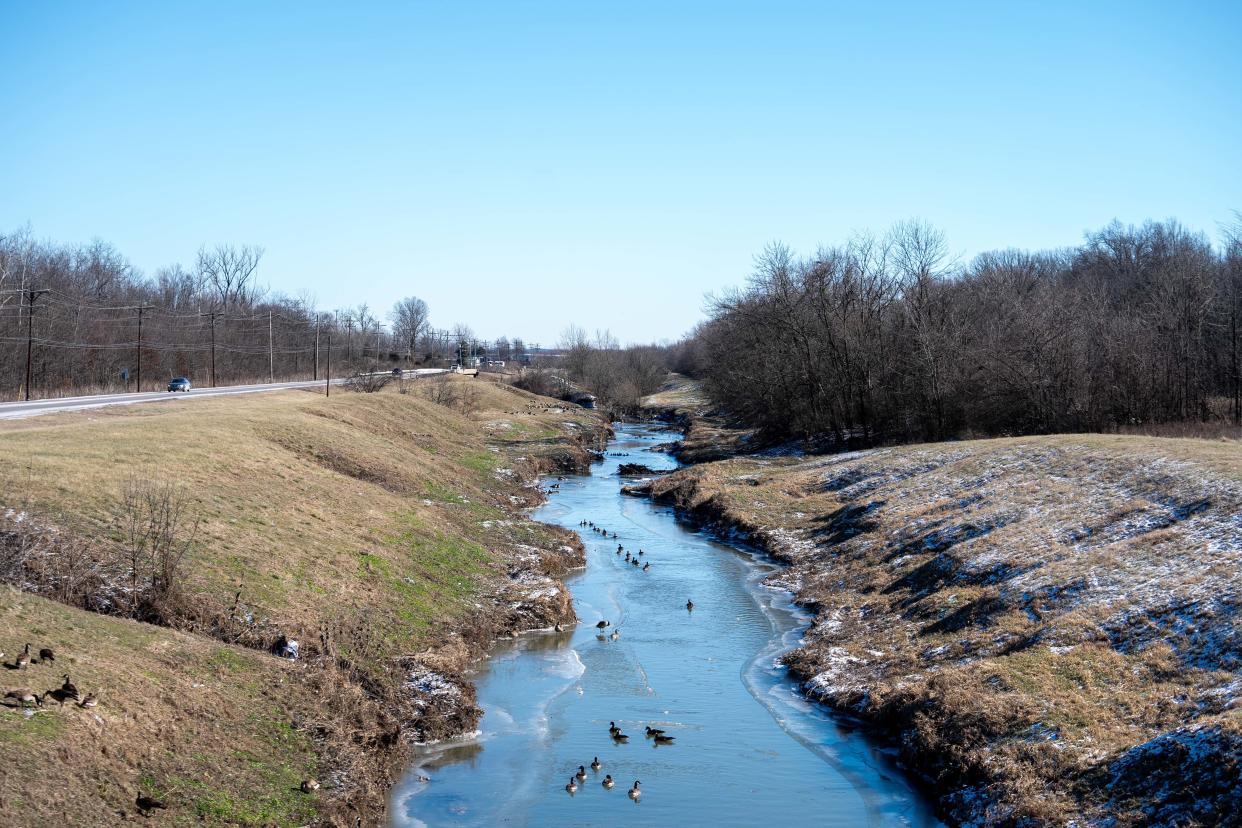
(409, 319)
(1231, 316)
(229, 272)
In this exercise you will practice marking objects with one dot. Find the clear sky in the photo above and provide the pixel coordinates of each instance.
(521, 166)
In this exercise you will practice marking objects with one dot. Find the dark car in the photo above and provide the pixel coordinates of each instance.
(179, 384)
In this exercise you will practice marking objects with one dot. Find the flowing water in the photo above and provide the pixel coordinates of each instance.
(747, 747)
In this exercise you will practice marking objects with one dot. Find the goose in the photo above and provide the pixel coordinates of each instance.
(654, 731)
(595, 765)
(147, 804)
(620, 737)
(613, 730)
(23, 658)
(620, 548)
(634, 561)
(608, 783)
(646, 566)
(615, 635)
(90, 701)
(581, 774)
(46, 654)
(602, 624)
(23, 697)
(69, 688)
(309, 786)
(640, 551)
(572, 787)
(689, 606)
(635, 793)
(663, 740)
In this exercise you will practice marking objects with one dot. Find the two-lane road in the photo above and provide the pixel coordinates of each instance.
(19, 410)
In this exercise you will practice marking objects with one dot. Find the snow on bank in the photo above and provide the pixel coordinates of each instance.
(1030, 618)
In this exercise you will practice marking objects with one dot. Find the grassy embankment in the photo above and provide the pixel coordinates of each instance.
(1050, 627)
(707, 434)
(382, 531)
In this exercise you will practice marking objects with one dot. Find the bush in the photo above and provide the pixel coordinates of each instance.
(450, 393)
(368, 383)
(157, 530)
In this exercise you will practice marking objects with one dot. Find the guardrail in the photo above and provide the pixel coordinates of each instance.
(405, 373)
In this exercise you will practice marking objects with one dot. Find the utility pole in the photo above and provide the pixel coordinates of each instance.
(349, 341)
(213, 349)
(327, 374)
(315, 376)
(271, 351)
(138, 385)
(31, 296)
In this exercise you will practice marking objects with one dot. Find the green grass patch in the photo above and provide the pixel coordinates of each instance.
(438, 491)
(226, 659)
(17, 730)
(483, 462)
(484, 511)
(275, 807)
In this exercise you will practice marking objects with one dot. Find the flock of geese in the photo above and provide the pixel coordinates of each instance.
(578, 780)
(607, 783)
(24, 696)
(657, 735)
(630, 557)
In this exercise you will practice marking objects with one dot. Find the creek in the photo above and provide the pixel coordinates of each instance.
(748, 748)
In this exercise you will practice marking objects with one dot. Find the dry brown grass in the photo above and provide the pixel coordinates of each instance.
(1024, 614)
(377, 529)
(306, 504)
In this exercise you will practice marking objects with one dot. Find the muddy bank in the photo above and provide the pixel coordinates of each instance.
(1031, 623)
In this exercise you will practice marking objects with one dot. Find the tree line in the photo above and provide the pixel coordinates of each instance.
(81, 318)
(888, 338)
(619, 377)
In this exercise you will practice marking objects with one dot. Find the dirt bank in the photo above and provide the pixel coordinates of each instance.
(1047, 628)
(707, 433)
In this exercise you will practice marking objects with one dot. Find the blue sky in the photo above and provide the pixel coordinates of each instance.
(521, 166)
